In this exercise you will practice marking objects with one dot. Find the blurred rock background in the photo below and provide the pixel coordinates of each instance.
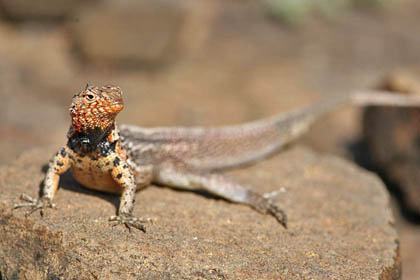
(196, 62)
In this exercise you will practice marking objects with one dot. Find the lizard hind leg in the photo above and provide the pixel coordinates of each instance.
(177, 175)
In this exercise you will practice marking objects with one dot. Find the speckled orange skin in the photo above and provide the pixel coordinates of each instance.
(94, 146)
(94, 152)
(96, 174)
(95, 107)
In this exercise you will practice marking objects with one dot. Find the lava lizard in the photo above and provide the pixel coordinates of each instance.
(123, 159)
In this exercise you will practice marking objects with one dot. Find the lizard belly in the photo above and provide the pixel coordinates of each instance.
(97, 178)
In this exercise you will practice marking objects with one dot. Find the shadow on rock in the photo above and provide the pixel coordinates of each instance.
(363, 157)
(68, 182)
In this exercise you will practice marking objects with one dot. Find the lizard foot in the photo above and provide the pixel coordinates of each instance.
(265, 206)
(34, 204)
(130, 221)
(278, 214)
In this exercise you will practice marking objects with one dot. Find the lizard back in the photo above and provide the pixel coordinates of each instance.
(221, 147)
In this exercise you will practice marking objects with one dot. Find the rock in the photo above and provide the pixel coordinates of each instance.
(392, 137)
(17, 49)
(340, 226)
(40, 9)
(34, 95)
(130, 32)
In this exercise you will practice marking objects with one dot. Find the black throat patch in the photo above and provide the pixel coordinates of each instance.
(92, 142)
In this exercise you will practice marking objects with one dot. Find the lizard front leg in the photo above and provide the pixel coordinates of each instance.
(59, 164)
(177, 174)
(130, 180)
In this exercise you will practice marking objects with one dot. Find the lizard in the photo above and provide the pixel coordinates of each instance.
(123, 159)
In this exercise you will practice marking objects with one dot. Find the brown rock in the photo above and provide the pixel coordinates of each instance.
(129, 32)
(40, 9)
(392, 136)
(29, 51)
(37, 79)
(340, 228)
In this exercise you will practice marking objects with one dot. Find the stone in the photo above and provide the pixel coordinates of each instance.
(131, 32)
(40, 9)
(35, 89)
(340, 227)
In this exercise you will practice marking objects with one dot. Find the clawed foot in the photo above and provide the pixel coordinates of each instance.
(34, 204)
(130, 221)
(278, 214)
(265, 206)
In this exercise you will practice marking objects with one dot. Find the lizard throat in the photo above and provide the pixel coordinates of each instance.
(90, 140)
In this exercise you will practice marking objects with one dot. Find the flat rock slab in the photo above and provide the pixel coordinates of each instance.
(340, 227)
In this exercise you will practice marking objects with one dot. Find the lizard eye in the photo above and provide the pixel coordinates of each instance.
(90, 96)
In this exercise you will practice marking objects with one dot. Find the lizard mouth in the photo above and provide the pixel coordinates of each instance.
(117, 105)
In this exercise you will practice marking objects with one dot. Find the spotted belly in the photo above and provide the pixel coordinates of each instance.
(95, 175)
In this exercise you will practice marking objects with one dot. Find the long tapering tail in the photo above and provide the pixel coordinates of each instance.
(227, 146)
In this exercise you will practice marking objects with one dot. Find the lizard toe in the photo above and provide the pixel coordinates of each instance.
(278, 214)
(34, 204)
(129, 221)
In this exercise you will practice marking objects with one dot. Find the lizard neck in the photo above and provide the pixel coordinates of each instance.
(95, 141)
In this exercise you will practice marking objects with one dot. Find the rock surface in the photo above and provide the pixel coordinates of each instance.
(41, 9)
(340, 227)
(130, 32)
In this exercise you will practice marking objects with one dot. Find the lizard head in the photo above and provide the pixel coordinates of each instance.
(95, 108)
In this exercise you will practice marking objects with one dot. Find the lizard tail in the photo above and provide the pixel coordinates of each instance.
(228, 146)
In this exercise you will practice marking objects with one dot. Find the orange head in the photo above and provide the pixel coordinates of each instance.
(95, 108)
